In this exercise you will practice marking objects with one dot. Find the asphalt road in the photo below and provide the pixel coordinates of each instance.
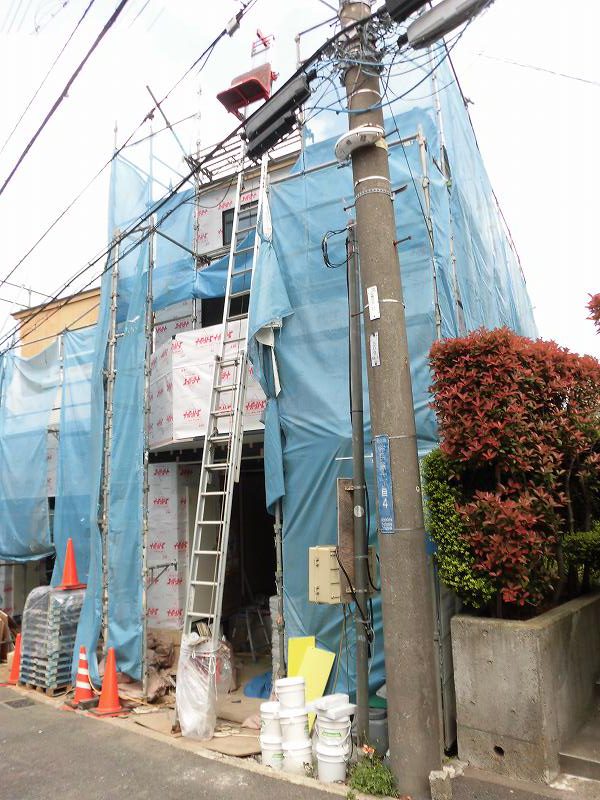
(47, 753)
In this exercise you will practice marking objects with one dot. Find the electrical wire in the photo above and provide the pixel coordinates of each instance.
(540, 69)
(47, 75)
(329, 264)
(208, 50)
(107, 26)
(132, 230)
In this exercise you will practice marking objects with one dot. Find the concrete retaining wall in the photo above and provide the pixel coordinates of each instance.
(524, 688)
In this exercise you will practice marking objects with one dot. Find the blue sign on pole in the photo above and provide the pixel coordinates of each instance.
(383, 477)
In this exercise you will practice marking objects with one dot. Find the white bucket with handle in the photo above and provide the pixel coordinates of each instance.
(294, 724)
(290, 692)
(331, 762)
(297, 757)
(269, 719)
(272, 752)
(333, 731)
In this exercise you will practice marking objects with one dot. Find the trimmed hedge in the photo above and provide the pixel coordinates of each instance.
(454, 558)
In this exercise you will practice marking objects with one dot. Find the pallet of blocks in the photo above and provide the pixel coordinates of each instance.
(49, 629)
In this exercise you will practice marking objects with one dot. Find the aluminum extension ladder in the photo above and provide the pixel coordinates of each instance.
(222, 453)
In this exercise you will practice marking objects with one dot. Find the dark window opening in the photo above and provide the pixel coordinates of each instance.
(247, 219)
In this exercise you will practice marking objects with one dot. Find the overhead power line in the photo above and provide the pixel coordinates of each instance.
(108, 25)
(203, 57)
(47, 75)
(197, 166)
(133, 228)
(540, 69)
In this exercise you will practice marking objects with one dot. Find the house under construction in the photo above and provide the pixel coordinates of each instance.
(200, 427)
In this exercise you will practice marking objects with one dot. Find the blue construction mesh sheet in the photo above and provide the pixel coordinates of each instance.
(308, 435)
(74, 478)
(28, 390)
(458, 272)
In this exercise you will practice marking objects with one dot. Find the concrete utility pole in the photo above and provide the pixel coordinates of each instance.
(412, 687)
(361, 545)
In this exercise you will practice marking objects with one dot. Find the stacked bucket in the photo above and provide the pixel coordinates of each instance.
(334, 739)
(284, 739)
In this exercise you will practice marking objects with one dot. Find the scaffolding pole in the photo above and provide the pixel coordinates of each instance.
(445, 170)
(146, 488)
(110, 375)
(280, 622)
(429, 224)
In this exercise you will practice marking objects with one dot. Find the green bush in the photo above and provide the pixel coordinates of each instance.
(582, 549)
(371, 776)
(453, 557)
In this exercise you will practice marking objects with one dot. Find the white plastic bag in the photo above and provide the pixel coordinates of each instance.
(196, 693)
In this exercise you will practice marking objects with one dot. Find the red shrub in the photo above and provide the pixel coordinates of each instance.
(512, 540)
(519, 421)
(594, 308)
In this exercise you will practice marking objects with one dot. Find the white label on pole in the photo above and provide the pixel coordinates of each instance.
(359, 511)
(373, 300)
(374, 347)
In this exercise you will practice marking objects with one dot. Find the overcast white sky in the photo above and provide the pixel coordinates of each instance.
(538, 132)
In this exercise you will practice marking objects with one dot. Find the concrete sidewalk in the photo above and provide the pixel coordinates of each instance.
(46, 752)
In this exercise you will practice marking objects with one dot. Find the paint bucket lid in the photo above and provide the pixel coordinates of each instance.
(270, 741)
(288, 683)
(292, 712)
(333, 723)
(336, 751)
(271, 707)
(301, 744)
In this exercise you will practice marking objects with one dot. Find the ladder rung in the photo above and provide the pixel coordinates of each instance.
(224, 412)
(219, 437)
(245, 230)
(225, 387)
(237, 272)
(212, 494)
(208, 522)
(203, 583)
(206, 552)
(224, 465)
(243, 250)
(243, 293)
(199, 615)
(229, 362)
(236, 317)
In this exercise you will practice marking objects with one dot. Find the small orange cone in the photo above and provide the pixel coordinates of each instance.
(15, 669)
(70, 578)
(83, 690)
(109, 704)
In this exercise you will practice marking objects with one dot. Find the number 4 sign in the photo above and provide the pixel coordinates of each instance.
(383, 478)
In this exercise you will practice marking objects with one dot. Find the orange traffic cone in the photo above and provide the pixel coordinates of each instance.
(15, 669)
(83, 689)
(70, 579)
(109, 704)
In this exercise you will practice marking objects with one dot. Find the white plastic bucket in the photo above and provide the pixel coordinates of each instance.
(269, 720)
(297, 756)
(294, 724)
(333, 731)
(272, 752)
(290, 692)
(331, 761)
